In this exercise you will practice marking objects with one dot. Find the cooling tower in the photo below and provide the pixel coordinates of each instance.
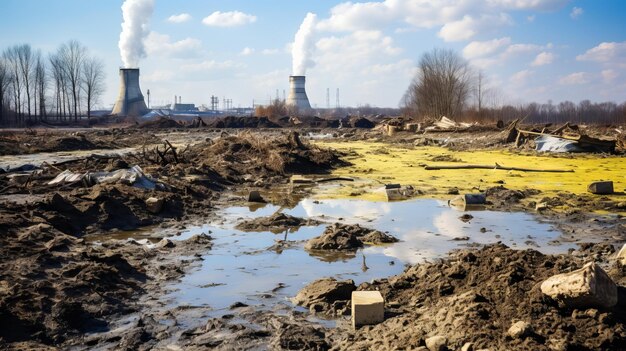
(130, 101)
(297, 93)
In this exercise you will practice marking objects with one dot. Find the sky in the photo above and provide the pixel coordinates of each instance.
(528, 50)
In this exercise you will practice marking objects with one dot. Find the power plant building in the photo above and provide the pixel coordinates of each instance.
(130, 101)
(297, 93)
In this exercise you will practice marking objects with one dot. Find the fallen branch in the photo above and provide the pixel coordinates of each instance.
(496, 166)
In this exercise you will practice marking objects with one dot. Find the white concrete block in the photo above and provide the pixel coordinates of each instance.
(368, 307)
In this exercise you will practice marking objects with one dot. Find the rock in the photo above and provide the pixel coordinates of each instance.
(587, 287)
(519, 330)
(468, 346)
(327, 290)
(437, 343)
(154, 205)
(541, 206)
(165, 243)
(621, 256)
(621, 205)
(368, 307)
(601, 188)
(255, 196)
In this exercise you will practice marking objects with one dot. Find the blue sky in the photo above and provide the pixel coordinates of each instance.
(529, 50)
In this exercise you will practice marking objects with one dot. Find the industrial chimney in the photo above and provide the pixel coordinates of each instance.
(130, 101)
(297, 94)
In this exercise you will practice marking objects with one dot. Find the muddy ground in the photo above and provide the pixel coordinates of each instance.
(58, 290)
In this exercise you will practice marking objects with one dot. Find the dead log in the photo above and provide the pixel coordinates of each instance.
(496, 166)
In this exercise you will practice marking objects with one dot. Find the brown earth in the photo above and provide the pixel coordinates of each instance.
(55, 286)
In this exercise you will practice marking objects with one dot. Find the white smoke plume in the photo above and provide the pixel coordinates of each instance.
(136, 15)
(303, 45)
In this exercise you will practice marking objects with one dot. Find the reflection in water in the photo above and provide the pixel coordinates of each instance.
(247, 267)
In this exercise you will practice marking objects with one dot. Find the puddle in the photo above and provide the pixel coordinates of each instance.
(242, 267)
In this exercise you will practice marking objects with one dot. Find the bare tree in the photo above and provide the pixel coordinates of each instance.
(12, 58)
(72, 55)
(41, 83)
(5, 81)
(93, 81)
(25, 61)
(442, 85)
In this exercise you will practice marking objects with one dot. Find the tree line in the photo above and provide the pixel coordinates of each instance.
(61, 86)
(446, 85)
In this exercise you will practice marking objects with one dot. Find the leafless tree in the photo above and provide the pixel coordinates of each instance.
(72, 55)
(5, 81)
(93, 81)
(442, 85)
(12, 58)
(26, 63)
(41, 85)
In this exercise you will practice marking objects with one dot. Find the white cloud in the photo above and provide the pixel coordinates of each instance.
(270, 51)
(478, 49)
(246, 51)
(521, 77)
(576, 12)
(544, 58)
(228, 19)
(181, 18)
(159, 76)
(531, 18)
(605, 52)
(406, 67)
(540, 5)
(209, 65)
(574, 79)
(609, 75)
(161, 44)
(469, 26)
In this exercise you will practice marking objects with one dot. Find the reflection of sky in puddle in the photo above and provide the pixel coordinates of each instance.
(240, 267)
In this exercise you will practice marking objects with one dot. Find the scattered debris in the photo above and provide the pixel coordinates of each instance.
(601, 188)
(587, 287)
(255, 196)
(368, 307)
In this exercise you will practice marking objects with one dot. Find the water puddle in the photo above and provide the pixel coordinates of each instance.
(249, 268)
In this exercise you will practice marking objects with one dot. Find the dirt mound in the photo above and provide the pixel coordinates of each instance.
(251, 158)
(476, 297)
(243, 122)
(276, 223)
(160, 123)
(326, 295)
(361, 122)
(348, 237)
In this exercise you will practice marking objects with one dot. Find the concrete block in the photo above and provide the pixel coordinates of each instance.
(601, 188)
(368, 307)
(588, 287)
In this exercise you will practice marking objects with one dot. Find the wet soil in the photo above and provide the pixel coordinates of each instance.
(60, 290)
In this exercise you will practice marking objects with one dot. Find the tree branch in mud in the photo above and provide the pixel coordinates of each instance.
(494, 167)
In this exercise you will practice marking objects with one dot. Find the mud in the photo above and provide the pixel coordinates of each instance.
(60, 290)
(348, 237)
(276, 223)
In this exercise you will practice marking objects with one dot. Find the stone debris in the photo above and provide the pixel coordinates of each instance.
(601, 188)
(519, 330)
(437, 343)
(154, 205)
(368, 307)
(328, 295)
(587, 287)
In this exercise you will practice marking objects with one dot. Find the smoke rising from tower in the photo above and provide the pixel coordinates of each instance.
(303, 45)
(136, 14)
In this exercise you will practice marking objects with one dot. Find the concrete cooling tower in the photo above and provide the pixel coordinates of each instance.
(297, 94)
(130, 101)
